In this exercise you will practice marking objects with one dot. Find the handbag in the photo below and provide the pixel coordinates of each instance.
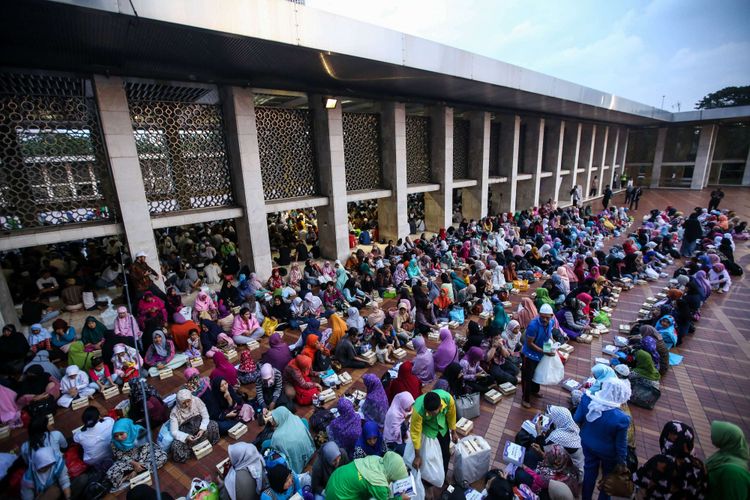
(644, 394)
(468, 406)
(617, 483)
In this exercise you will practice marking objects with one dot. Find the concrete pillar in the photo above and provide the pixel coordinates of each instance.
(8, 312)
(746, 174)
(510, 138)
(585, 158)
(613, 159)
(603, 162)
(704, 156)
(247, 181)
(438, 205)
(661, 140)
(126, 170)
(571, 159)
(392, 211)
(528, 190)
(475, 198)
(589, 158)
(329, 147)
(549, 187)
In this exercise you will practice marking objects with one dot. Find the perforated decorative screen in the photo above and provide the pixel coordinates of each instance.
(460, 149)
(181, 147)
(287, 155)
(52, 167)
(417, 149)
(362, 151)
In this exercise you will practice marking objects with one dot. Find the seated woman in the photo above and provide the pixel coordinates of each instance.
(279, 312)
(320, 356)
(247, 372)
(424, 320)
(246, 473)
(368, 477)
(447, 352)
(205, 307)
(126, 325)
(396, 428)
(329, 459)
(375, 405)
(95, 437)
(189, 424)
(405, 381)
(36, 386)
(298, 374)
(573, 322)
(292, 438)
(130, 451)
(370, 442)
(543, 297)
(39, 339)
(62, 336)
(501, 368)
(75, 384)
(333, 299)
(41, 436)
(346, 428)
(93, 333)
(728, 475)
(719, 278)
(283, 484)
(125, 361)
(591, 386)
(224, 369)
(232, 408)
(151, 308)
(346, 354)
(246, 327)
(46, 477)
(424, 364)
(475, 378)
(442, 303)
(161, 354)
(644, 370)
(269, 390)
(278, 354)
(13, 350)
(665, 327)
(402, 322)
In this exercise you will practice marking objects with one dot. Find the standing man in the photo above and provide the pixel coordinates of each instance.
(623, 180)
(635, 197)
(716, 196)
(538, 332)
(594, 186)
(434, 417)
(141, 274)
(575, 193)
(693, 231)
(628, 194)
(607, 197)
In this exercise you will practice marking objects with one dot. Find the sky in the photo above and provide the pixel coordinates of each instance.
(645, 50)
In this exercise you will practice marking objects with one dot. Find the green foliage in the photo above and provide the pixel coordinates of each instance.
(726, 97)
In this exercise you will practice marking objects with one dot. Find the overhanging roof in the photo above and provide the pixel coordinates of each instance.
(279, 44)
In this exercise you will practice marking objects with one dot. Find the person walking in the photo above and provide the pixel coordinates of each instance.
(635, 197)
(607, 197)
(576, 195)
(538, 333)
(716, 197)
(433, 417)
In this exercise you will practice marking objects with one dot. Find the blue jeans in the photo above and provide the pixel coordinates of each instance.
(591, 464)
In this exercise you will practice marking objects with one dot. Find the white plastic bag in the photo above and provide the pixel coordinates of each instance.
(549, 371)
(471, 466)
(419, 493)
(432, 460)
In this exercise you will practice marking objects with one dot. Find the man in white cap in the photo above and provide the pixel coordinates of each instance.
(538, 332)
(141, 274)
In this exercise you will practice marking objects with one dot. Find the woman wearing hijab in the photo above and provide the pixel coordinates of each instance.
(370, 442)
(447, 352)
(452, 377)
(375, 405)
(499, 319)
(291, 437)
(573, 322)
(204, 307)
(283, 483)
(728, 476)
(329, 459)
(130, 451)
(501, 368)
(200, 387)
(173, 303)
(665, 327)
(527, 311)
(125, 324)
(674, 473)
(232, 408)
(565, 433)
(719, 278)
(474, 375)
(37, 385)
(704, 286)
(151, 310)
(246, 327)
(190, 424)
(442, 303)
(406, 381)
(423, 364)
(604, 432)
(354, 320)
(13, 350)
(46, 477)
(229, 295)
(246, 474)
(648, 331)
(269, 389)
(644, 370)
(39, 338)
(75, 384)
(368, 477)
(93, 333)
(345, 429)
(224, 369)
(298, 373)
(543, 297)
(278, 355)
(161, 354)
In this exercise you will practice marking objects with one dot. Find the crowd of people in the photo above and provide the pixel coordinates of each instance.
(376, 302)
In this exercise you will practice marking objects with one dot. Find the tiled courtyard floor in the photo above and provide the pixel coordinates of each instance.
(713, 382)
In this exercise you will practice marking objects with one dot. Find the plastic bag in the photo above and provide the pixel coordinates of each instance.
(165, 438)
(203, 490)
(470, 467)
(467, 406)
(457, 314)
(269, 326)
(549, 371)
(602, 318)
(432, 460)
(419, 493)
(487, 306)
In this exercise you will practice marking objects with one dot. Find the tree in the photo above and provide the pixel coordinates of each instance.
(726, 97)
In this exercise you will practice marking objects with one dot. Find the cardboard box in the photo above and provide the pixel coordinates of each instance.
(585, 338)
(399, 353)
(493, 396)
(661, 295)
(165, 373)
(142, 478)
(513, 453)
(433, 335)
(607, 309)
(602, 361)
(409, 346)
(326, 396)
(570, 385)
(453, 324)
(126, 388)
(565, 348)
(641, 282)
(195, 362)
(202, 449)
(624, 329)
(564, 356)
(50, 420)
(601, 329)
(111, 392)
(507, 389)
(345, 378)
(323, 321)
(231, 355)
(464, 426)
(369, 357)
(507, 304)
(237, 430)
(4, 432)
(220, 466)
(484, 315)
(651, 300)
(621, 341)
(253, 345)
(78, 403)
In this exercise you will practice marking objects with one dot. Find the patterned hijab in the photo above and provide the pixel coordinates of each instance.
(345, 429)
(375, 405)
(566, 433)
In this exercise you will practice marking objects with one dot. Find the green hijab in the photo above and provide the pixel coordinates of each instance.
(732, 445)
(500, 319)
(644, 366)
(93, 335)
(542, 297)
(382, 471)
(292, 438)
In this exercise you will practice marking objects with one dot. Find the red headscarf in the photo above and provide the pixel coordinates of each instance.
(224, 369)
(303, 364)
(405, 382)
(310, 348)
(586, 299)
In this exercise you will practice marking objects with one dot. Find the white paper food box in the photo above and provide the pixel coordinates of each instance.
(570, 385)
(80, 402)
(602, 361)
(609, 350)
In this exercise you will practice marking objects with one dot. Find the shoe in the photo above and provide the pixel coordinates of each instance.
(525, 404)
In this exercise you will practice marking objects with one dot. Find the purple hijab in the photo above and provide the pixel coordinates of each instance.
(700, 279)
(278, 355)
(447, 352)
(649, 345)
(424, 366)
(345, 429)
(474, 355)
(375, 405)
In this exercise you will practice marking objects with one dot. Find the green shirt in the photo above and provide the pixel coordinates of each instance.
(346, 483)
(440, 424)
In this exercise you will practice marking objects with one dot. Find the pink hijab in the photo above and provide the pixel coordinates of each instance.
(127, 326)
(203, 302)
(224, 369)
(397, 413)
(9, 411)
(526, 312)
(447, 352)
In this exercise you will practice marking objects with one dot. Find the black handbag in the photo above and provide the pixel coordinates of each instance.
(644, 394)
(42, 407)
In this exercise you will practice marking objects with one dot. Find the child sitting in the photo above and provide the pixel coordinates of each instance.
(195, 348)
(100, 374)
(383, 351)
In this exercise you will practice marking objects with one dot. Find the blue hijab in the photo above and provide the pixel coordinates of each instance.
(129, 427)
(371, 430)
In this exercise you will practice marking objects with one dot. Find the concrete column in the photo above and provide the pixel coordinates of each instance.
(329, 147)
(438, 205)
(126, 170)
(510, 138)
(8, 312)
(661, 140)
(746, 174)
(392, 211)
(528, 191)
(589, 159)
(247, 181)
(704, 156)
(600, 172)
(475, 198)
(571, 161)
(586, 158)
(549, 187)
(613, 159)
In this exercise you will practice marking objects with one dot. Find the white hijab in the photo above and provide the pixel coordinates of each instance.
(613, 394)
(244, 456)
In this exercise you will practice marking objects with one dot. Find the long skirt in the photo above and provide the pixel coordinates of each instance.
(182, 451)
(123, 467)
